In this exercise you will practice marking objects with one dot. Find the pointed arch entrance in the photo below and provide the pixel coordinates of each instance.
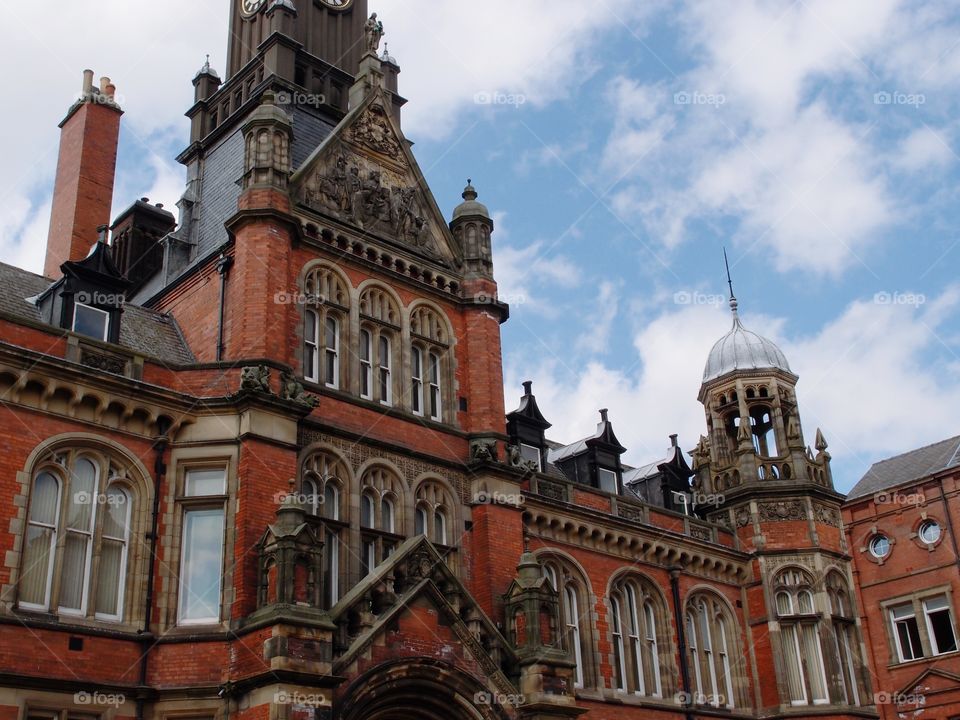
(421, 689)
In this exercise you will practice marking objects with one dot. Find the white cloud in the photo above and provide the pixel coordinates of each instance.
(923, 150)
(866, 379)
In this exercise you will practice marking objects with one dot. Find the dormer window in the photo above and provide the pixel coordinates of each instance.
(91, 321)
(608, 480)
(531, 453)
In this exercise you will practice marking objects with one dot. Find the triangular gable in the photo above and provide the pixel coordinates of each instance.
(931, 681)
(365, 176)
(417, 572)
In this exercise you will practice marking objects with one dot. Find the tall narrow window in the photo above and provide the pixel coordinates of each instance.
(619, 664)
(845, 645)
(114, 543)
(652, 657)
(436, 404)
(386, 515)
(907, 632)
(440, 527)
(332, 353)
(366, 365)
(311, 323)
(636, 654)
(572, 621)
(81, 515)
(709, 638)
(416, 388)
(421, 520)
(800, 637)
(41, 541)
(201, 555)
(366, 511)
(385, 361)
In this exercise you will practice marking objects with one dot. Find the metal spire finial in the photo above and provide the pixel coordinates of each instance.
(733, 298)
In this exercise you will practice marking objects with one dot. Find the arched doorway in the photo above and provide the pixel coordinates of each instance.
(421, 689)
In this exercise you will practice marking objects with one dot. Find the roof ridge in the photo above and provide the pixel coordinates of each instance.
(919, 450)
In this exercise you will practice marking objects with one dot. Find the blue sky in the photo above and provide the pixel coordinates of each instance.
(621, 148)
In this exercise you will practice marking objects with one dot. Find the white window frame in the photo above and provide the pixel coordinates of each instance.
(54, 537)
(333, 351)
(194, 508)
(536, 451)
(894, 619)
(311, 359)
(618, 648)
(385, 369)
(106, 321)
(572, 619)
(366, 363)
(435, 370)
(91, 534)
(124, 557)
(416, 372)
(934, 645)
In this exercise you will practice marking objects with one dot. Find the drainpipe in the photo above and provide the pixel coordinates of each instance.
(223, 267)
(160, 471)
(675, 571)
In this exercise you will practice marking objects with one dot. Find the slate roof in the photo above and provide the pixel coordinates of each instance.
(912, 465)
(144, 331)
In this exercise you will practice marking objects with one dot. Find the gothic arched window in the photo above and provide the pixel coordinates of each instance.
(378, 351)
(711, 648)
(639, 616)
(325, 319)
(76, 549)
(763, 432)
(429, 362)
(323, 487)
(800, 638)
(844, 631)
(433, 516)
(380, 501)
(575, 620)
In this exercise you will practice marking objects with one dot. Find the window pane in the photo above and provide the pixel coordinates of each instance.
(420, 522)
(791, 658)
(74, 572)
(941, 629)
(331, 502)
(386, 515)
(90, 321)
(332, 568)
(202, 566)
(110, 577)
(440, 527)
(310, 327)
(608, 480)
(531, 454)
(82, 500)
(45, 499)
(201, 483)
(37, 556)
(366, 511)
(908, 639)
(116, 514)
(810, 642)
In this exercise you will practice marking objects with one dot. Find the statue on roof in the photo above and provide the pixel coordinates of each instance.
(374, 33)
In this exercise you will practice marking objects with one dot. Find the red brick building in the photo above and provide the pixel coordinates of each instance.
(899, 521)
(257, 464)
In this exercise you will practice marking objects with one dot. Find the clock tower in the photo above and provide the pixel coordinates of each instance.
(327, 30)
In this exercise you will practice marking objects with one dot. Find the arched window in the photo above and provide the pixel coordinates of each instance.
(763, 432)
(77, 543)
(710, 643)
(844, 631)
(434, 518)
(379, 329)
(638, 611)
(576, 624)
(800, 638)
(429, 360)
(324, 318)
(379, 521)
(322, 487)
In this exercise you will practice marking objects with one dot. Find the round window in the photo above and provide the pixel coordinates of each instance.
(930, 531)
(880, 546)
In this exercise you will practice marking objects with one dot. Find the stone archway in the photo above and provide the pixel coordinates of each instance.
(421, 689)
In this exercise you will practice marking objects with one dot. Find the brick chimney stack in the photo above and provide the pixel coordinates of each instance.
(83, 191)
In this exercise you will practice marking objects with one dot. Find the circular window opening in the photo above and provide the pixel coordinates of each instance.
(930, 531)
(880, 546)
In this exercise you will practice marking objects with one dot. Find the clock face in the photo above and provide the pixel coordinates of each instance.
(248, 8)
(337, 4)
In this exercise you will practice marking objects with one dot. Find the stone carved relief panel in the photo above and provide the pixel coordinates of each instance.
(781, 511)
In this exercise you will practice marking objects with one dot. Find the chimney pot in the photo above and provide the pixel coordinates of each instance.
(111, 90)
(673, 440)
(528, 387)
(104, 81)
(604, 415)
(160, 206)
(144, 199)
(87, 82)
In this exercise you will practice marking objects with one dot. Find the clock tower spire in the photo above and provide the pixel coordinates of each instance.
(329, 30)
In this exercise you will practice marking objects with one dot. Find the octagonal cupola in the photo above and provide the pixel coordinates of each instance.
(742, 349)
